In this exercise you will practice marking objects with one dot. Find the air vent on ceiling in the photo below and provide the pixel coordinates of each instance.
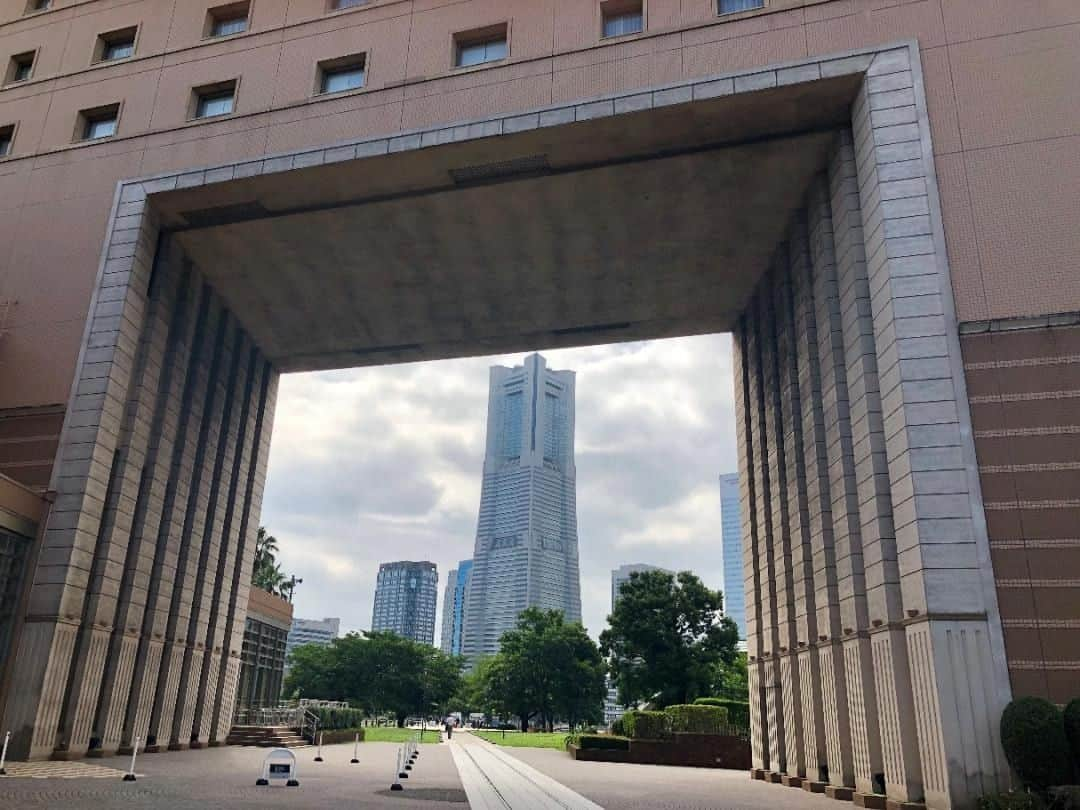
(224, 214)
(486, 172)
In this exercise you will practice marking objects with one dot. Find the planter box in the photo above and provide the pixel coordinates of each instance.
(689, 750)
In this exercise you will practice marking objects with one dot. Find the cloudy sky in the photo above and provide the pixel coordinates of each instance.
(378, 464)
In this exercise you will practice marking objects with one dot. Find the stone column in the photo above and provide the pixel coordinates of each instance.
(119, 674)
(774, 352)
(899, 776)
(809, 704)
(190, 517)
(218, 462)
(257, 448)
(959, 680)
(823, 628)
(89, 440)
(742, 364)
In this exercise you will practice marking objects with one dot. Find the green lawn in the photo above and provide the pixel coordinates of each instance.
(398, 735)
(515, 739)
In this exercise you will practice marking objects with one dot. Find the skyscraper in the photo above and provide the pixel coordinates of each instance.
(526, 551)
(457, 583)
(621, 575)
(405, 597)
(311, 631)
(731, 545)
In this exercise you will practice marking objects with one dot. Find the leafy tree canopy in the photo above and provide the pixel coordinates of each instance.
(545, 668)
(666, 640)
(379, 672)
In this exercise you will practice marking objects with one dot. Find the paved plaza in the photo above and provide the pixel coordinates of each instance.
(467, 773)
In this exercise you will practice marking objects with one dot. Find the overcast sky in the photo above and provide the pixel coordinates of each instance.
(378, 464)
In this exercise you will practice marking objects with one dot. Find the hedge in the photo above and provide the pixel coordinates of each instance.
(600, 742)
(1072, 732)
(697, 719)
(332, 719)
(617, 727)
(1033, 736)
(738, 710)
(646, 725)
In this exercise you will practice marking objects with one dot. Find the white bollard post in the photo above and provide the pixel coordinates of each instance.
(318, 755)
(3, 754)
(130, 775)
(355, 750)
(402, 764)
(396, 784)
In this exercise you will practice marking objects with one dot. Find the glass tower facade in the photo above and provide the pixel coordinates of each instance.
(453, 623)
(526, 552)
(405, 597)
(731, 532)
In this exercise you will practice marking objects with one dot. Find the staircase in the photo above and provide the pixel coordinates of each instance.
(266, 737)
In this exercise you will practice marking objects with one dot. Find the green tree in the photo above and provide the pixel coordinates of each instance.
(313, 673)
(266, 574)
(731, 680)
(546, 668)
(666, 639)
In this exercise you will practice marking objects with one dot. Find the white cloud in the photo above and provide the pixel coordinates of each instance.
(371, 465)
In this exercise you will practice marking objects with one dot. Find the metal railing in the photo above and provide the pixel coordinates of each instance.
(291, 716)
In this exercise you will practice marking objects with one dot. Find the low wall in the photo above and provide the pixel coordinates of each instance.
(691, 750)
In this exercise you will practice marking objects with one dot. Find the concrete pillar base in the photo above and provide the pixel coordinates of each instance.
(757, 773)
(893, 804)
(150, 749)
(96, 753)
(813, 787)
(791, 781)
(214, 744)
(179, 746)
(194, 745)
(844, 794)
(68, 755)
(872, 800)
(774, 777)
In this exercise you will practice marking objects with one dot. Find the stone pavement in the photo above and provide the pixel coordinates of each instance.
(225, 778)
(657, 787)
(494, 780)
(491, 778)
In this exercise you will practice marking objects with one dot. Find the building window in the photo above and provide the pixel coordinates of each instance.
(214, 100)
(224, 21)
(338, 5)
(34, 6)
(731, 6)
(341, 75)
(622, 17)
(115, 45)
(481, 45)
(7, 138)
(98, 123)
(21, 67)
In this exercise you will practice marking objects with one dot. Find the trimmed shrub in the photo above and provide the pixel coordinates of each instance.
(617, 728)
(1033, 736)
(1072, 732)
(738, 710)
(646, 725)
(697, 719)
(602, 742)
(333, 719)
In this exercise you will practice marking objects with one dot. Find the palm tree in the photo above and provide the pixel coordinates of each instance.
(266, 573)
(266, 548)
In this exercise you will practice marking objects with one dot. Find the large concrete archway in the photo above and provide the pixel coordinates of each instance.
(795, 206)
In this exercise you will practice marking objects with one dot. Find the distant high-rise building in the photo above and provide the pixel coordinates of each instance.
(457, 583)
(311, 631)
(526, 552)
(621, 575)
(731, 546)
(405, 597)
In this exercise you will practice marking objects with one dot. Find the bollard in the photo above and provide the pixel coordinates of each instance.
(318, 755)
(396, 784)
(355, 747)
(402, 773)
(3, 754)
(130, 775)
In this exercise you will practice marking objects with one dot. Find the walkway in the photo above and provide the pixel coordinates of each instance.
(495, 780)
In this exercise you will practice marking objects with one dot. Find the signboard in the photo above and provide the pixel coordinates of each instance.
(279, 766)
